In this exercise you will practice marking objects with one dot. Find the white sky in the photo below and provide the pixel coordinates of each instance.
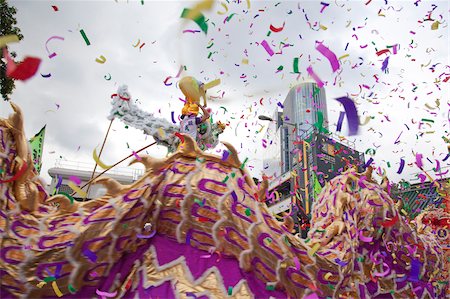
(78, 85)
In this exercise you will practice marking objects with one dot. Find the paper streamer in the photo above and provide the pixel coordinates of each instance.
(77, 189)
(106, 294)
(75, 179)
(180, 136)
(275, 29)
(296, 65)
(385, 273)
(67, 195)
(91, 255)
(267, 47)
(97, 160)
(391, 222)
(58, 184)
(311, 296)
(314, 76)
(419, 160)
(402, 165)
(101, 59)
(199, 20)
(364, 238)
(17, 175)
(297, 263)
(86, 40)
(23, 71)
(51, 55)
(8, 39)
(385, 64)
(329, 55)
(368, 163)
(173, 117)
(56, 289)
(314, 249)
(340, 120)
(415, 270)
(224, 6)
(146, 236)
(352, 115)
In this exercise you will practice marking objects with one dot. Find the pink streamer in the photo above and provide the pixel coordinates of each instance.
(419, 160)
(364, 238)
(329, 55)
(267, 47)
(385, 273)
(51, 55)
(314, 76)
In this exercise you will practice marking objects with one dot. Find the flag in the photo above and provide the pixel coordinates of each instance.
(317, 187)
(37, 146)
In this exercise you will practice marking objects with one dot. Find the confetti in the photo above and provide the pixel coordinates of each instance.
(200, 19)
(314, 76)
(97, 160)
(8, 39)
(352, 115)
(329, 55)
(402, 165)
(296, 65)
(267, 47)
(17, 175)
(275, 29)
(24, 70)
(101, 59)
(53, 54)
(86, 40)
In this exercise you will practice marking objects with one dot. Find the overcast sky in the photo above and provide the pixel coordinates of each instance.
(75, 101)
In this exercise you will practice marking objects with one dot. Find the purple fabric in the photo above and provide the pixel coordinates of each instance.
(169, 250)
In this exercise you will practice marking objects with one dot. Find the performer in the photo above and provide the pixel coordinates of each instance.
(191, 122)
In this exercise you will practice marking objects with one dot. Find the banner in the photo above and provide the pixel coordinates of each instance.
(37, 146)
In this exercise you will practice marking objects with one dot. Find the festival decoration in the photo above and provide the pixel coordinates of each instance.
(152, 238)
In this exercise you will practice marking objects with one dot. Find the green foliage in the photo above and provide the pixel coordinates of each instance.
(7, 26)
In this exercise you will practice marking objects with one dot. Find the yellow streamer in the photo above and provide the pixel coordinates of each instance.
(244, 61)
(138, 42)
(101, 59)
(41, 284)
(7, 39)
(77, 189)
(323, 27)
(195, 12)
(366, 121)
(212, 84)
(56, 289)
(248, 4)
(326, 276)
(226, 9)
(344, 56)
(97, 160)
(314, 249)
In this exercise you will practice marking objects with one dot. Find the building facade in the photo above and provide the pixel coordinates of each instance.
(309, 155)
(80, 173)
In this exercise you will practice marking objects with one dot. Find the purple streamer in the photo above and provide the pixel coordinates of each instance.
(368, 163)
(329, 55)
(225, 155)
(415, 269)
(402, 165)
(352, 114)
(340, 120)
(146, 236)
(385, 64)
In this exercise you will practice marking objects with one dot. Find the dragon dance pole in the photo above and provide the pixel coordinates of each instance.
(101, 150)
(114, 165)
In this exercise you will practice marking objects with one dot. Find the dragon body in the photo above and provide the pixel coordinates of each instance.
(196, 225)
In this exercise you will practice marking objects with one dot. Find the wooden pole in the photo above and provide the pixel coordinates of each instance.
(114, 165)
(101, 150)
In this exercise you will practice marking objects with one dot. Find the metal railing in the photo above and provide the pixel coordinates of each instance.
(85, 166)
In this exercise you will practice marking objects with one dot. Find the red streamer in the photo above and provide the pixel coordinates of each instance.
(17, 175)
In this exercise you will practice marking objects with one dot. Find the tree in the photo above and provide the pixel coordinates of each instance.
(7, 26)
